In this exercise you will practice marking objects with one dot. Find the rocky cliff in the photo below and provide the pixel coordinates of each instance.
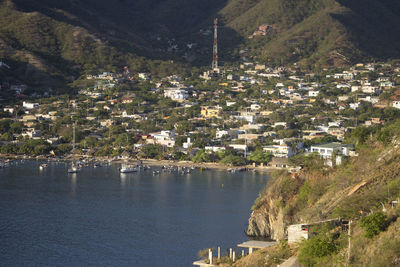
(270, 217)
(268, 222)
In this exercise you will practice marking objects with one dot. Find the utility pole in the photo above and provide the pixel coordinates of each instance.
(349, 245)
(215, 46)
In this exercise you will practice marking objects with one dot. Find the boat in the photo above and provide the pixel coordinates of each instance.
(43, 166)
(74, 168)
(127, 168)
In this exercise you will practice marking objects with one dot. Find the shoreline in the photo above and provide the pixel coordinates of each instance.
(150, 162)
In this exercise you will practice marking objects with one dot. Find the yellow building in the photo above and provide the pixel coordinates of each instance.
(210, 112)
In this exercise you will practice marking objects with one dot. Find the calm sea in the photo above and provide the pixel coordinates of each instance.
(101, 218)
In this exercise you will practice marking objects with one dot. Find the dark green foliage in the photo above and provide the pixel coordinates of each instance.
(34, 147)
(233, 160)
(202, 156)
(259, 156)
(325, 240)
(311, 162)
(153, 151)
(315, 248)
(374, 223)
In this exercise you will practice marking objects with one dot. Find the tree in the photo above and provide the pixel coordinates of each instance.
(260, 156)
(313, 249)
(233, 160)
(152, 151)
(374, 223)
(202, 156)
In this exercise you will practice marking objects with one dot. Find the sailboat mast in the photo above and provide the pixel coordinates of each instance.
(73, 137)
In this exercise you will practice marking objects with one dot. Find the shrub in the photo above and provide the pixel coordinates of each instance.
(374, 223)
(315, 248)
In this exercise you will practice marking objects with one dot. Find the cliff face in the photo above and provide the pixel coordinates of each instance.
(267, 221)
(270, 214)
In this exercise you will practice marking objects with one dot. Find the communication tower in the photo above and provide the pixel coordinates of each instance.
(215, 46)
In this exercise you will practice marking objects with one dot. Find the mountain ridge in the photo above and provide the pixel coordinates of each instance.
(70, 38)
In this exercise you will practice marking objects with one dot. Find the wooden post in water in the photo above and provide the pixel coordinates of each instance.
(233, 256)
(210, 255)
(230, 253)
(219, 252)
(250, 250)
(242, 252)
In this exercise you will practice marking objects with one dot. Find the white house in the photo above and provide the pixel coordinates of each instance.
(355, 106)
(396, 104)
(279, 151)
(313, 93)
(187, 144)
(231, 133)
(144, 76)
(28, 105)
(326, 150)
(9, 110)
(178, 94)
(32, 133)
(370, 89)
(255, 107)
(164, 138)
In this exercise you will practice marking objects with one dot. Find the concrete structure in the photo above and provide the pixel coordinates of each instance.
(253, 244)
(297, 232)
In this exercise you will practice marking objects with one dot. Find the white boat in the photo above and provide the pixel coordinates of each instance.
(127, 169)
(43, 166)
(74, 169)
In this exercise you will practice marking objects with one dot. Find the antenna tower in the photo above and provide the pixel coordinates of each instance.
(215, 46)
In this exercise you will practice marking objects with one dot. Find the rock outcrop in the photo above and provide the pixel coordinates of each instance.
(267, 221)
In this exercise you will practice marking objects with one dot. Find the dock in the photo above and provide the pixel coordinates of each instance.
(202, 263)
(253, 244)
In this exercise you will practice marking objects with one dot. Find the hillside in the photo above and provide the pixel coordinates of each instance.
(53, 42)
(322, 32)
(365, 184)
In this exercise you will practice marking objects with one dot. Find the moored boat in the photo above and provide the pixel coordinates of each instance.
(43, 166)
(127, 169)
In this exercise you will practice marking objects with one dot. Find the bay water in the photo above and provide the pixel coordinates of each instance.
(99, 217)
